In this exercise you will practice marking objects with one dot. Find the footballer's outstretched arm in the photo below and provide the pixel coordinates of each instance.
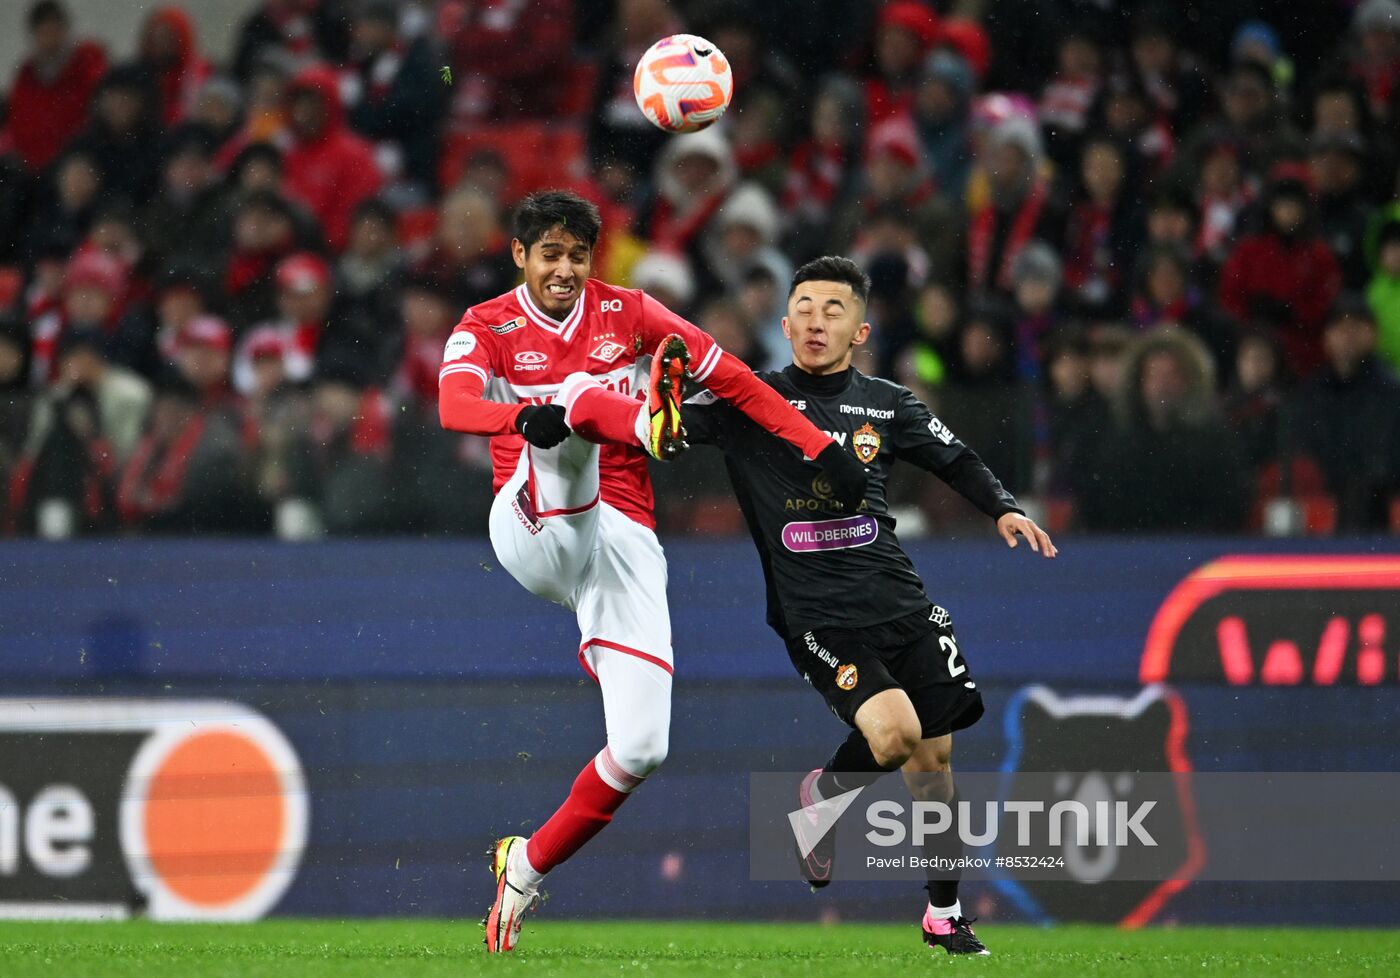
(923, 440)
(466, 367)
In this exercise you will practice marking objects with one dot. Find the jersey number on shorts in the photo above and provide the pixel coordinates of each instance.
(950, 645)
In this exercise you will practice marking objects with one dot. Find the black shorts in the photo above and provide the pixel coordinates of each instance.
(917, 653)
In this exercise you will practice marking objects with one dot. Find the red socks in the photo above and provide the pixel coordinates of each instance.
(601, 415)
(588, 808)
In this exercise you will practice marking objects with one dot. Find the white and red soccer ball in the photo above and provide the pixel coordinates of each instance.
(683, 83)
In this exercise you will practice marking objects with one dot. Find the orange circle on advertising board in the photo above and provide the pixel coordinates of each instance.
(214, 818)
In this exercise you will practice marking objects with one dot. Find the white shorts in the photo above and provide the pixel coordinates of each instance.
(555, 536)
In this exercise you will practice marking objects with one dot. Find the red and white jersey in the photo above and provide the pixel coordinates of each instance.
(507, 352)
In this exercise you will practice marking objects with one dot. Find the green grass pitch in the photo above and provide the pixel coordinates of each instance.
(409, 949)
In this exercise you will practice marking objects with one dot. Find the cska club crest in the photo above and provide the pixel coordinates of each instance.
(866, 442)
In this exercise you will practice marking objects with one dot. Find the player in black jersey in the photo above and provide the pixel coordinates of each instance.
(842, 593)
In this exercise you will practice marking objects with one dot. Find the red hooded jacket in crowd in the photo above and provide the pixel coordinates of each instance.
(179, 79)
(332, 172)
(1299, 276)
(44, 114)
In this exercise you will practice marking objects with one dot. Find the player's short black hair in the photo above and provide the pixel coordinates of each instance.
(547, 209)
(833, 268)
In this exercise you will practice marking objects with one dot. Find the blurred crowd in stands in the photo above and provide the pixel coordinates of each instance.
(1143, 256)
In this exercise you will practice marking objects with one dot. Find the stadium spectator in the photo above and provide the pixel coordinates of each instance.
(191, 219)
(985, 400)
(1170, 76)
(1251, 120)
(1383, 293)
(90, 302)
(1284, 278)
(667, 277)
(1170, 465)
(48, 99)
(81, 429)
(339, 460)
(1103, 231)
(146, 337)
(218, 106)
(202, 355)
(470, 250)
(1018, 207)
(398, 98)
(823, 167)
(1375, 59)
(1254, 398)
(295, 32)
(169, 51)
(189, 472)
(1166, 295)
(1071, 93)
(1347, 419)
(942, 108)
(1078, 418)
(905, 31)
(328, 169)
(1335, 164)
(895, 183)
(66, 206)
(743, 234)
(695, 175)
(1126, 114)
(123, 132)
(266, 229)
(1223, 195)
(369, 273)
(429, 310)
(1036, 315)
(923, 363)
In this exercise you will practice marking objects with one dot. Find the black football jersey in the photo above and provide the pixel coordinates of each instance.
(825, 566)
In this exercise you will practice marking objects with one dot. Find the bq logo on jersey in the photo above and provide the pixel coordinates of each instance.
(184, 810)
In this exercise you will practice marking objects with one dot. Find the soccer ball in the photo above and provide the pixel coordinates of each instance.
(683, 83)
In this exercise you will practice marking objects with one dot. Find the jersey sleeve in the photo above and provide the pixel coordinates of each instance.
(922, 439)
(466, 369)
(726, 376)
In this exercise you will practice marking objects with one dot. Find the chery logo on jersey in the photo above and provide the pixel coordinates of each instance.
(531, 360)
(607, 351)
(854, 531)
(186, 810)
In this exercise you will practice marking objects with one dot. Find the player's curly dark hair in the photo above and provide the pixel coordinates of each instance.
(833, 268)
(547, 209)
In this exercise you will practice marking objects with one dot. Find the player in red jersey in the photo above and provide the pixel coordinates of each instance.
(561, 373)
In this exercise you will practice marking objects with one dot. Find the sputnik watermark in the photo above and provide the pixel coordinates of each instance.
(1103, 823)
